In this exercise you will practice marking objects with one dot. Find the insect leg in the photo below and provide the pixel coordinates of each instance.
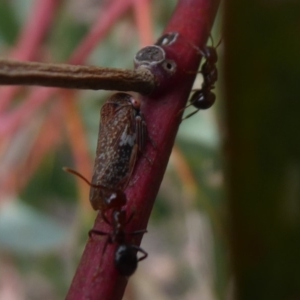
(139, 249)
(191, 114)
(142, 135)
(141, 132)
(137, 232)
(131, 164)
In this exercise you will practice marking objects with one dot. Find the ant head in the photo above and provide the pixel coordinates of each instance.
(210, 52)
(126, 260)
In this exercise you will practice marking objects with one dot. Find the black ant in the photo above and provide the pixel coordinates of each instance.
(126, 259)
(205, 98)
(126, 254)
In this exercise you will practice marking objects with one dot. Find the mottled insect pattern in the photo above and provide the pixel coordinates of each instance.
(122, 135)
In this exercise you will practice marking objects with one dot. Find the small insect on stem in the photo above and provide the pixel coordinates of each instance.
(205, 98)
(126, 259)
(126, 254)
(122, 136)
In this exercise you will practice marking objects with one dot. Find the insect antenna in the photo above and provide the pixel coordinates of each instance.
(68, 170)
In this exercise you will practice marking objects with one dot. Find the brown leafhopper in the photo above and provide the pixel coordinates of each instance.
(121, 136)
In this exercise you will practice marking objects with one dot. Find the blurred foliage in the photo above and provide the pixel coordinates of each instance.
(8, 24)
(263, 146)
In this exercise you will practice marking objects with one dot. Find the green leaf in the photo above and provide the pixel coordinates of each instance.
(8, 23)
(25, 230)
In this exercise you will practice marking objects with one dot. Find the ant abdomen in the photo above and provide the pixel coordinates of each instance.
(126, 260)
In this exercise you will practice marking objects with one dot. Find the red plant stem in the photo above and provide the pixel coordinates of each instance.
(29, 41)
(96, 276)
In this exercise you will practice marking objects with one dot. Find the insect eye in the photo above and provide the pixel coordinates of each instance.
(135, 103)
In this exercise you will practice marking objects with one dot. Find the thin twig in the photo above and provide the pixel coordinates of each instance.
(75, 76)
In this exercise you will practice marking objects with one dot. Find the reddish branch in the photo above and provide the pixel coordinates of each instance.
(96, 277)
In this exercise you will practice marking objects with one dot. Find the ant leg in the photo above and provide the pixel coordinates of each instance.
(191, 103)
(142, 135)
(141, 132)
(191, 114)
(183, 109)
(137, 232)
(132, 161)
(139, 249)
